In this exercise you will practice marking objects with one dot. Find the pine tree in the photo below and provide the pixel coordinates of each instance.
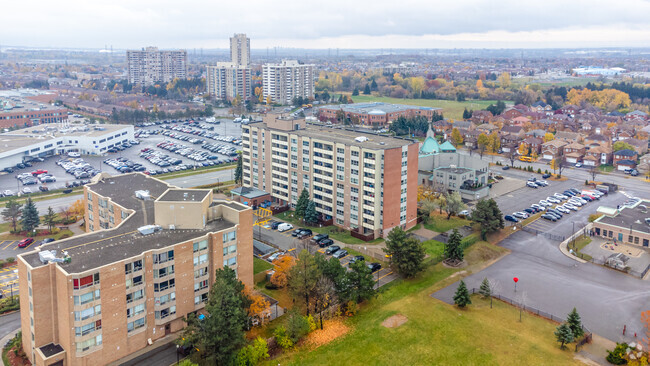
(12, 212)
(366, 90)
(302, 203)
(461, 297)
(406, 253)
(373, 85)
(238, 170)
(30, 219)
(311, 216)
(563, 335)
(355, 92)
(485, 289)
(575, 323)
(51, 218)
(453, 250)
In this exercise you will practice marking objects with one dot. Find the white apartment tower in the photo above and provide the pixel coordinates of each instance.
(149, 66)
(287, 80)
(240, 50)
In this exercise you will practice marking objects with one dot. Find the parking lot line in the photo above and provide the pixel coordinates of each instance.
(387, 274)
(10, 242)
(381, 270)
(321, 250)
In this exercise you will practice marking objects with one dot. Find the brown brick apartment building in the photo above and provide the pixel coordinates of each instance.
(358, 180)
(376, 114)
(144, 264)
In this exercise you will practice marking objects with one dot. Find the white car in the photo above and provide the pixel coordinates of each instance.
(26, 190)
(531, 184)
(570, 207)
(7, 193)
(23, 175)
(578, 165)
(575, 202)
(463, 213)
(538, 207)
(284, 227)
(520, 215)
(560, 196)
(563, 210)
(545, 203)
(553, 200)
(73, 154)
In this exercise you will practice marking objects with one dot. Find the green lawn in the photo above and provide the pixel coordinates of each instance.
(437, 333)
(450, 108)
(606, 168)
(433, 248)
(580, 243)
(440, 224)
(333, 231)
(260, 265)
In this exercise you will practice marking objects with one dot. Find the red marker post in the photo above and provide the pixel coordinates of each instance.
(516, 280)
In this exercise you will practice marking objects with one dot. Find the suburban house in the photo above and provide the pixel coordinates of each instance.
(597, 139)
(465, 125)
(624, 135)
(644, 164)
(625, 159)
(640, 146)
(568, 136)
(486, 128)
(511, 114)
(574, 152)
(597, 155)
(479, 117)
(553, 149)
(518, 121)
(570, 109)
(512, 130)
(534, 143)
(541, 107)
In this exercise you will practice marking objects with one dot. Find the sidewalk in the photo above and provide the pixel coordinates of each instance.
(157, 344)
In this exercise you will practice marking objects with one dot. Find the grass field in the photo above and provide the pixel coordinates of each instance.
(437, 333)
(260, 265)
(450, 108)
(579, 245)
(433, 248)
(440, 224)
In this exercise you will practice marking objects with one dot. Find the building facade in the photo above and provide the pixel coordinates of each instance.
(18, 113)
(629, 224)
(150, 66)
(287, 80)
(375, 114)
(226, 80)
(360, 181)
(143, 265)
(240, 50)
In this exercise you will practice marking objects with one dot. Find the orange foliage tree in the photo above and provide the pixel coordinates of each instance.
(260, 307)
(77, 209)
(281, 268)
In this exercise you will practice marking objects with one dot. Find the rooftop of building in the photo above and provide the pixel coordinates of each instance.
(15, 104)
(378, 108)
(630, 218)
(50, 349)
(346, 136)
(96, 249)
(177, 195)
(35, 134)
(454, 170)
(248, 192)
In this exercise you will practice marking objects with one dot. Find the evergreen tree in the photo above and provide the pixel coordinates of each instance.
(575, 323)
(238, 170)
(564, 335)
(333, 270)
(12, 212)
(219, 336)
(466, 114)
(303, 276)
(485, 289)
(355, 92)
(488, 215)
(51, 218)
(30, 219)
(366, 90)
(360, 284)
(311, 215)
(406, 253)
(373, 85)
(461, 297)
(301, 205)
(453, 250)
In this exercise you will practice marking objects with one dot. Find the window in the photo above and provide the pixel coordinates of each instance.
(229, 249)
(83, 282)
(201, 298)
(162, 286)
(87, 313)
(134, 311)
(201, 272)
(162, 272)
(134, 296)
(166, 312)
(200, 285)
(162, 300)
(135, 281)
(86, 298)
(200, 259)
(133, 267)
(229, 236)
(203, 244)
(85, 345)
(230, 262)
(163, 257)
(136, 324)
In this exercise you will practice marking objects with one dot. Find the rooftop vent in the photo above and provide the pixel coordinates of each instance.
(149, 229)
(361, 139)
(142, 194)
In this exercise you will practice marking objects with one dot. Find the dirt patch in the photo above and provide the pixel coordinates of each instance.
(462, 264)
(394, 321)
(332, 329)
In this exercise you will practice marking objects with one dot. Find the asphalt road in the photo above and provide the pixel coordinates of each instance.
(162, 356)
(607, 300)
(9, 323)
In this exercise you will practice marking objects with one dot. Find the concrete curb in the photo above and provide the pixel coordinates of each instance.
(564, 245)
(8, 337)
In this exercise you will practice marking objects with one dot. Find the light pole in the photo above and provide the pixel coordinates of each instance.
(178, 361)
(12, 286)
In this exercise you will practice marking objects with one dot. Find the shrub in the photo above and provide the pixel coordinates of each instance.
(586, 182)
(615, 357)
(298, 326)
(351, 308)
(311, 322)
(593, 217)
(282, 337)
(10, 260)
(271, 286)
(539, 170)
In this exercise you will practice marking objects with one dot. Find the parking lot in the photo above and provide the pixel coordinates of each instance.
(284, 241)
(149, 137)
(8, 281)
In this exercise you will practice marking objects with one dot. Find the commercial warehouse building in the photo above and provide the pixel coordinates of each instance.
(376, 114)
(17, 112)
(56, 139)
(148, 260)
(361, 181)
(629, 224)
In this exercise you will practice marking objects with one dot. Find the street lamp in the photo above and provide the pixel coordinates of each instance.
(178, 361)
(12, 286)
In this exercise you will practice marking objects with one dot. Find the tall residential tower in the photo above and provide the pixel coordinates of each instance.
(287, 80)
(240, 50)
(149, 66)
(227, 80)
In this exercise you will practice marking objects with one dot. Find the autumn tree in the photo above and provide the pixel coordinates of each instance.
(456, 137)
(281, 267)
(504, 80)
(323, 296)
(12, 212)
(622, 145)
(259, 308)
(494, 142)
(483, 141)
(303, 276)
(548, 137)
(77, 209)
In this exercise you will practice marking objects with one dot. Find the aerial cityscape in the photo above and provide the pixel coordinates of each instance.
(348, 184)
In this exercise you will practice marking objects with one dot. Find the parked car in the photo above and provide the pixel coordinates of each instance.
(275, 256)
(284, 227)
(332, 249)
(44, 241)
(549, 217)
(341, 253)
(546, 176)
(510, 218)
(274, 224)
(531, 185)
(43, 188)
(505, 167)
(325, 243)
(520, 215)
(578, 165)
(25, 242)
(317, 238)
(374, 267)
(305, 233)
(357, 258)
(297, 231)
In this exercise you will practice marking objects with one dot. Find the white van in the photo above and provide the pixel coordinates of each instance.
(284, 227)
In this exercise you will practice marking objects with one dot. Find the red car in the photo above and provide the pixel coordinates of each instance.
(39, 171)
(25, 242)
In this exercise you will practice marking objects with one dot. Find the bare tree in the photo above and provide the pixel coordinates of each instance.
(495, 286)
(512, 156)
(593, 171)
(522, 300)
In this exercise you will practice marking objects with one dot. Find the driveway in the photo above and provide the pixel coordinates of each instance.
(607, 300)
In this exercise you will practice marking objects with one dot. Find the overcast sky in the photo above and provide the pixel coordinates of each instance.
(326, 24)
